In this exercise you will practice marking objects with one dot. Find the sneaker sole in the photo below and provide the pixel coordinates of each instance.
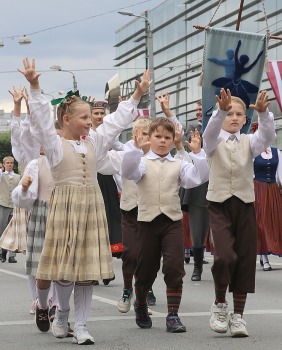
(123, 311)
(218, 330)
(86, 342)
(177, 330)
(144, 326)
(240, 334)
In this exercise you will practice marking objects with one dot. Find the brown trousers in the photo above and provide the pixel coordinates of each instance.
(161, 237)
(234, 232)
(129, 227)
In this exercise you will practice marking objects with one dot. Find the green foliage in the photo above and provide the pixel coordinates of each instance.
(6, 147)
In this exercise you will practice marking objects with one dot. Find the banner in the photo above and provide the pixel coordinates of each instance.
(274, 76)
(233, 60)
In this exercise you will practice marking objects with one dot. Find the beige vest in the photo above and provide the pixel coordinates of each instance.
(45, 180)
(129, 195)
(7, 185)
(158, 190)
(75, 168)
(231, 171)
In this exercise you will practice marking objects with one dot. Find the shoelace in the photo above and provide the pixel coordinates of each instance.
(43, 317)
(221, 316)
(125, 297)
(174, 320)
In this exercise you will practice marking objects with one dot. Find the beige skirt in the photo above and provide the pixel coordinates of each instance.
(76, 246)
(14, 236)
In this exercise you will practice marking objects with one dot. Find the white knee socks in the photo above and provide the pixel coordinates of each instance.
(64, 290)
(32, 286)
(82, 303)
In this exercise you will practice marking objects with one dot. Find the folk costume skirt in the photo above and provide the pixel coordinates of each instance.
(268, 206)
(76, 246)
(36, 228)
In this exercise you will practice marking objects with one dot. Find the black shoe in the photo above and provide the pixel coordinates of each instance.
(151, 299)
(197, 274)
(70, 332)
(205, 262)
(173, 323)
(143, 320)
(42, 319)
(95, 283)
(106, 281)
(3, 259)
(187, 255)
(51, 313)
(261, 262)
(12, 260)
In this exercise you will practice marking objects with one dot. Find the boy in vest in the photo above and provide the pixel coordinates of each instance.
(231, 209)
(158, 176)
(8, 181)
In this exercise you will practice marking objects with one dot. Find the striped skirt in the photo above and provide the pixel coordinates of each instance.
(36, 228)
(268, 206)
(76, 246)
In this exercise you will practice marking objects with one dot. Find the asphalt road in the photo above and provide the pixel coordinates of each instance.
(115, 331)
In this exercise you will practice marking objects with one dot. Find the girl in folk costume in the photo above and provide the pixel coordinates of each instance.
(268, 203)
(76, 247)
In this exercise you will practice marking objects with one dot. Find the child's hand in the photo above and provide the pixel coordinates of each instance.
(261, 103)
(164, 101)
(195, 143)
(224, 101)
(140, 141)
(26, 182)
(143, 86)
(30, 73)
(17, 94)
(178, 137)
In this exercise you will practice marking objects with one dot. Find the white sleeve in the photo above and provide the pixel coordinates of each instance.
(23, 199)
(111, 164)
(193, 175)
(132, 166)
(30, 146)
(16, 141)
(279, 169)
(183, 155)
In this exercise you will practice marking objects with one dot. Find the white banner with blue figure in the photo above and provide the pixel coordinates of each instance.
(232, 60)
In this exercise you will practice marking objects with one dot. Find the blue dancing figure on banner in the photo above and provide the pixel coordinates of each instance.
(228, 63)
(237, 86)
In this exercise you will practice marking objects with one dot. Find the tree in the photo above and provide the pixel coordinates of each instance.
(6, 147)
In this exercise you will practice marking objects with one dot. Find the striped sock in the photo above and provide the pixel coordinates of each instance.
(173, 298)
(239, 301)
(220, 292)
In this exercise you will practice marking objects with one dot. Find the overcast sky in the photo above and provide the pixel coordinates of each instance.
(86, 44)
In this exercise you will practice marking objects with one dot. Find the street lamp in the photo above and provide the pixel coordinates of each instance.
(150, 57)
(59, 69)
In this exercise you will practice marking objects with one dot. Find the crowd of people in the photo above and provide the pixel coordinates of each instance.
(70, 221)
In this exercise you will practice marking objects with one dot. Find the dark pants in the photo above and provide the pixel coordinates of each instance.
(161, 237)
(5, 217)
(129, 228)
(234, 232)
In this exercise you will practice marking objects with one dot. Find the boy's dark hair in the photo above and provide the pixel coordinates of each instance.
(164, 123)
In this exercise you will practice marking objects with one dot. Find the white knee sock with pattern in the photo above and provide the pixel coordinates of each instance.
(64, 290)
(82, 303)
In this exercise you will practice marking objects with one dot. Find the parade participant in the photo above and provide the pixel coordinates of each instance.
(231, 208)
(76, 247)
(158, 176)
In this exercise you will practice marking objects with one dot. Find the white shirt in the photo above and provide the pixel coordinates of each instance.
(259, 141)
(10, 174)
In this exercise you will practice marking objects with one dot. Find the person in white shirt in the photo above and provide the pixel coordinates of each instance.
(231, 204)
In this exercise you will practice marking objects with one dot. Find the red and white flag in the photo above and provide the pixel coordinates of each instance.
(275, 78)
(143, 112)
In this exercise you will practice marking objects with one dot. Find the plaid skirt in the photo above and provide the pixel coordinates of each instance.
(14, 236)
(268, 206)
(36, 228)
(76, 246)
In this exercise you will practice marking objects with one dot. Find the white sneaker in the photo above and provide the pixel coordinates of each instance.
(219, 314)
(60, 326)
(33, 308)
(124, 302)
(81, 336)
(237, 326)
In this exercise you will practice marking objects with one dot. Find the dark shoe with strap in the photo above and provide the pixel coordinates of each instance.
(42, 319)
(106, 281)
(143, 320)
(151, 299)
(51, 313)
(173, 323)
(12, 260)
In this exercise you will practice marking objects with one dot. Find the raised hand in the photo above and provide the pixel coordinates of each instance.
(195, 143)
(143, 86)
(224, 101)
(140, 141)
(164, 101)
(261, 103)
(30, 73)
(178, 137)
(18, 94)
(26, 182)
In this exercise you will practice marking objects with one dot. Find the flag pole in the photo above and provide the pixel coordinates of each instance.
(239, 15)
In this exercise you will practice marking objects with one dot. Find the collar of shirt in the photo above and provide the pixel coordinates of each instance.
(225, 135)
(11, 173)
(152, 155)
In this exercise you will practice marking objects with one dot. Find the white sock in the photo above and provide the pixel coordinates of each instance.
(43, 298)
(82, 303)
(32, 286)
(264, 259)
(53, 295)
(63, 291)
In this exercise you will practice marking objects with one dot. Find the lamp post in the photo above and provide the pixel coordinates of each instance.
(149, 58)
(59, 69)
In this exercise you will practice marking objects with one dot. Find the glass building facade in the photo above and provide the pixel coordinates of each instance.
(178, 48)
